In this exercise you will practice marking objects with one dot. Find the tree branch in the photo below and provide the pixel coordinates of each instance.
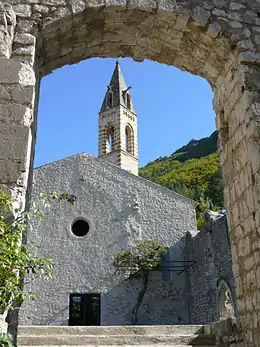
(145, 279)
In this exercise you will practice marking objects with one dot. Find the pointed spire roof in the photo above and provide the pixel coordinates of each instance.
(118, 88)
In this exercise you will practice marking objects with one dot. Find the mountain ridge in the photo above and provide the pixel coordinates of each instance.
(204, 147)
(193, 171)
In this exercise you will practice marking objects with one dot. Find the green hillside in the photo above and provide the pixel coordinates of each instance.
(193, 171)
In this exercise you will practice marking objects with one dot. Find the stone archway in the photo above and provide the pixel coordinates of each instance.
(218, 40)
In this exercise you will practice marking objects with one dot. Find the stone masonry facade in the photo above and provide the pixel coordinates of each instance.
(218, 40)
(211, 250)
(117, 120)
(121, 209)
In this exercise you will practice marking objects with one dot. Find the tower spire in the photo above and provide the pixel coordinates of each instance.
(118, 125)
(119, 89)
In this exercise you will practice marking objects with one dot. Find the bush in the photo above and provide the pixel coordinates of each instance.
(6, 340)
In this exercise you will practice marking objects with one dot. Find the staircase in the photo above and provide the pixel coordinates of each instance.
(127, 336)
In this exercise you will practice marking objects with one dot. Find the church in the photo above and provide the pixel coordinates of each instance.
(114, 210)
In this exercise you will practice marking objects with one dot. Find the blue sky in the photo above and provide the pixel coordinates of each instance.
(172, 106)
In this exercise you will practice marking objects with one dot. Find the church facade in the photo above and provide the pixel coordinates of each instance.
(114, 210)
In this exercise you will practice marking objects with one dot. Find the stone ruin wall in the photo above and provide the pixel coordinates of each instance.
(211, 250)
(218, 40)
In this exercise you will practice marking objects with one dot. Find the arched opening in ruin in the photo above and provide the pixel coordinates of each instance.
(197, 47)
(196, 39)
(194, 49)
(225, 301)
(128, 144)
(165, 118)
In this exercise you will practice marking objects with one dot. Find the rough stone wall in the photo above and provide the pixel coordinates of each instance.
(218, 40)
(122, 209)
(211, 251)
(222, 256)
(202, 278)
(227, 333)
(238, 124)
(166, 300)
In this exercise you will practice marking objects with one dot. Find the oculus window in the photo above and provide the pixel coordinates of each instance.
(80, 227)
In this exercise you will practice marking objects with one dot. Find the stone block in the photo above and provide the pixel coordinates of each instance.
(25, 38)
(219, 13)
(251, 285)
(61, 12)
(234, 97)
(15, 141)
(13, 71)
(236, 6)
(77, 6)
(53, 2)
(15, 114)
(253, 127)
(200, 15)
(22, 94)
(165, 5)
(235, 25)
(41, 8)
(25, 54)
(249, 57)
(95, 3)
(181, 23)
(25, 25)
(249, 263)
(214, 29)
(244, 247)
(9, 172)
(4, 93)
(22, 10)
(147, 4)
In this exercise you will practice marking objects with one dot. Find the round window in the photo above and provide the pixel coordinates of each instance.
(80, 227)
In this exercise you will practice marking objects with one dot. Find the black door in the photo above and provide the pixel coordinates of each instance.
(84, 309)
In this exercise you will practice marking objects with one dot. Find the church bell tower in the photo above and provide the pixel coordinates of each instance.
(117, 138)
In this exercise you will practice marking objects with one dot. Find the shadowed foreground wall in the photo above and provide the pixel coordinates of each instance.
(211, 250)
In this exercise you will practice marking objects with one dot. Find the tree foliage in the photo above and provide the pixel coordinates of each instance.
(18, 258)
(138, 261)
(6, 340)
(191, 174)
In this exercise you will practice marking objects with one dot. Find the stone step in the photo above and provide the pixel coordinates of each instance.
(110, 340)
(110, 330)
(102, 336)
(164, 345)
